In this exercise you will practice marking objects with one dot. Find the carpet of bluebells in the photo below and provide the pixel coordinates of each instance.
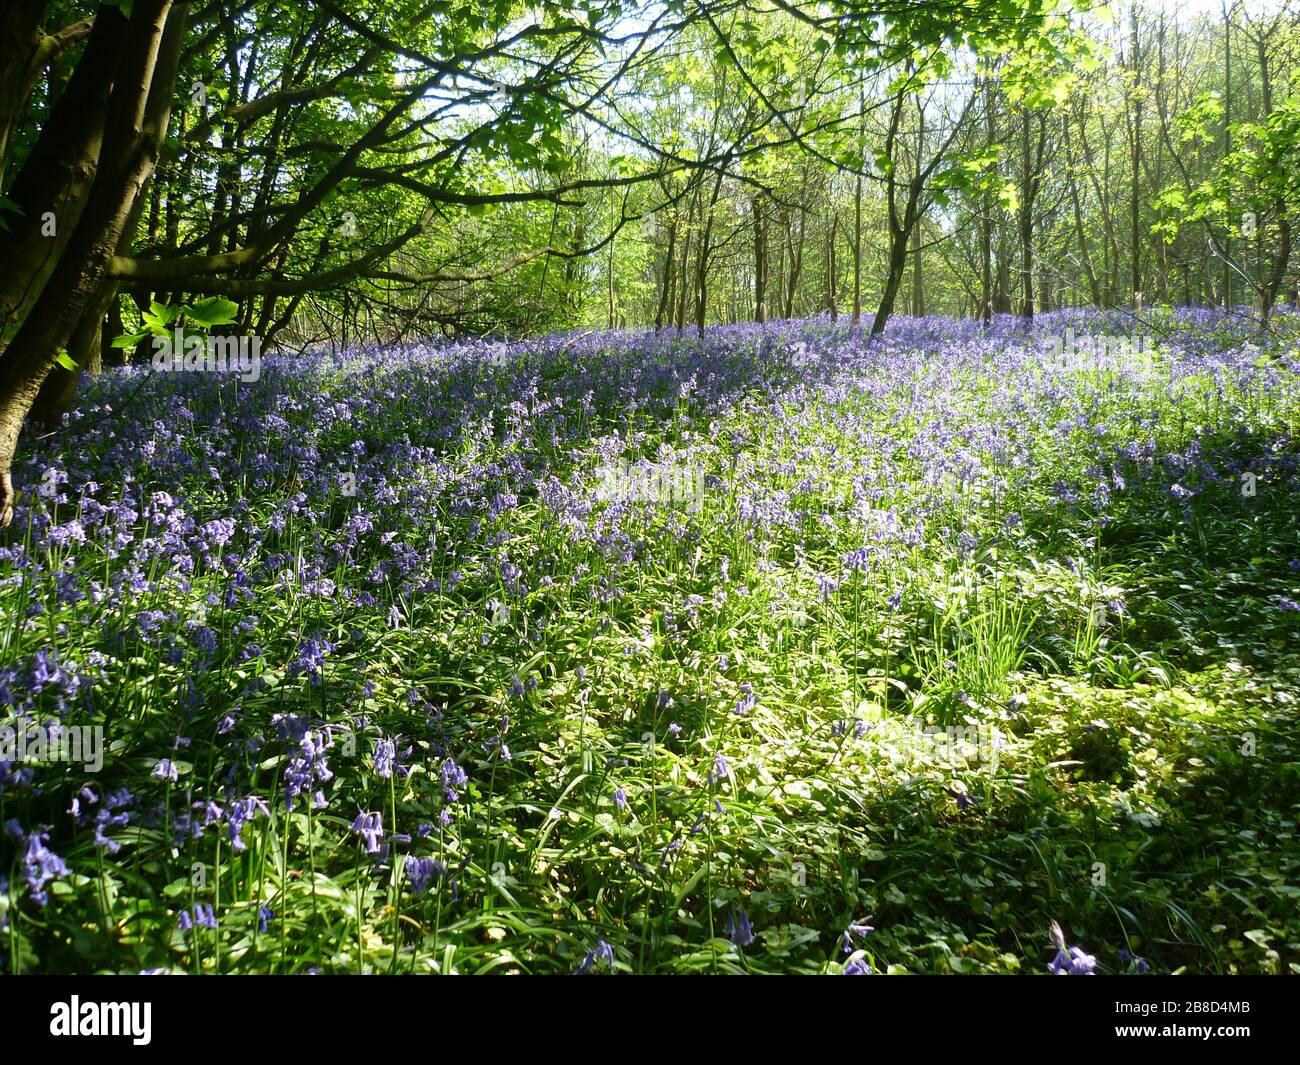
(923, 653)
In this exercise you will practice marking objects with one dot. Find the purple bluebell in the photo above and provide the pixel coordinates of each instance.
(739, 930)
(421, 872)
(601, 954)
(1070, 961)
(370, 827)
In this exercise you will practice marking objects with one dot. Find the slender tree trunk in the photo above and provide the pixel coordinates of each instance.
(796, 266)
(1227, 144)
(918, 279)
(1135, 231)
(831, 268)
(1081, 235)
(666, 283)
(1025, 223)
(857, 212)
(857, 251)
(986, 216)
(1282, 255)
(684, 273)
(897, 264)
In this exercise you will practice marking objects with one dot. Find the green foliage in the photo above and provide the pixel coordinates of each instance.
(7, 206)
(1260, 176)
(195, 319)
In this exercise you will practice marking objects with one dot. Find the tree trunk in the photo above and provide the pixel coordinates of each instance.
(135, 125)
(666, 284)
(796, 266)
(918, 279)
(1227, 145)
(1135, 233)
(831, 268)
(893, 280)
(84, 347)
(55, 181)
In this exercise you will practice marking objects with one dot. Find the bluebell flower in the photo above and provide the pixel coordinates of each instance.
(860, 930)
(238, 813)
(385, 757)
(311, 658)
(307, 768)
(453, 778)
(1072, 961)
(739, 930)
(748, 700)
(422, 872)
(202, 916)
(857, 560)
(40, 865)
(826, 586)
(104, 820)
(602, 953)
(370, 827)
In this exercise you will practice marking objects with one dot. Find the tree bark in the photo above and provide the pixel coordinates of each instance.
(136, 123)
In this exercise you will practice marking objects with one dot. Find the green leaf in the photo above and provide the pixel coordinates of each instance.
(129, 340)
(163, 312)
(215, 310)
(66, 361)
